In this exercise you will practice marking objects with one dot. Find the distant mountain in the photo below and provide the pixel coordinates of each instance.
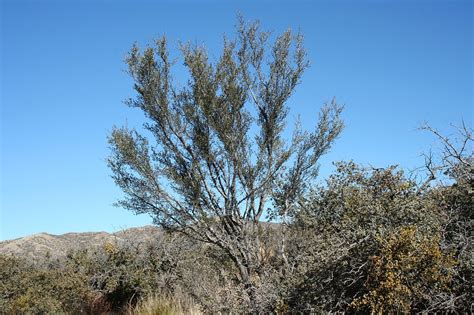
(38, 246)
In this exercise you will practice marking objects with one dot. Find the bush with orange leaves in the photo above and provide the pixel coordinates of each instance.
(409, 267)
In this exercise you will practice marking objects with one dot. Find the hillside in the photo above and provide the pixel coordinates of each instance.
(39, 245)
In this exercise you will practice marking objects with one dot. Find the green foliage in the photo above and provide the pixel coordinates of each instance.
(26, 288)
(125, 273)
(215, 156)
(120, 276)
(373, 241)
(360, 201)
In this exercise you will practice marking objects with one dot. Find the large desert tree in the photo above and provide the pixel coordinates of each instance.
(214, 161)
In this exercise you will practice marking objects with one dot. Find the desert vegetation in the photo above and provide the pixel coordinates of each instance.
(247, 227)
(369, 240)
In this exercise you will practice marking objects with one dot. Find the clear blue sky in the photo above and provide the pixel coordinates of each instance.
(394, 64)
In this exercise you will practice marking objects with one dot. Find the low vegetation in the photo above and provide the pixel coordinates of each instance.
(368, 240)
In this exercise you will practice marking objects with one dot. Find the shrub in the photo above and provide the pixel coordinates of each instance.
(26, 288)
(344, 225)
(408, 269)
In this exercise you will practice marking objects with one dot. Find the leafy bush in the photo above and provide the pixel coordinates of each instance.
(369, 236)
(409, 269)
(124, 273)
(26, 288)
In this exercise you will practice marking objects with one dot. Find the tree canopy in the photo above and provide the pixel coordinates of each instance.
(218, 157)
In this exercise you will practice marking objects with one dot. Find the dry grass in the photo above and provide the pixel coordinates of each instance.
(166, 305)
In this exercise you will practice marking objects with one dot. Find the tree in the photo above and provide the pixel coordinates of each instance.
(218, 160)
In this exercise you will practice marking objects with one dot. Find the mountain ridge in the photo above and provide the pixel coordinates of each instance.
(40, 245)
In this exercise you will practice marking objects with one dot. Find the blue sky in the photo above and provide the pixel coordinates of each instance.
(394, 64)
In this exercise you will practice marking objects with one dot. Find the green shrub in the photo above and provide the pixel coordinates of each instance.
(26, 288)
